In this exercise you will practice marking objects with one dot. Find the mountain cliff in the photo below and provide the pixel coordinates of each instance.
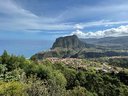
(69, 42)
(64, 47)
(73, 47)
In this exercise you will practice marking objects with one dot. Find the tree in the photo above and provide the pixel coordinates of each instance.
(12, 89)
(80, 91)
(5, 57)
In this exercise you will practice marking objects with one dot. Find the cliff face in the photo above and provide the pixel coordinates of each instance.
(72, 47)
(64, 47)
(69, 42)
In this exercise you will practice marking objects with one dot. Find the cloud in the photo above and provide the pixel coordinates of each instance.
(102, 23)
(113, 32)
(16, 18)
(78, 26)
(111, 11)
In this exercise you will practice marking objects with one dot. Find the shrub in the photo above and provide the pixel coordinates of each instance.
(12, 89)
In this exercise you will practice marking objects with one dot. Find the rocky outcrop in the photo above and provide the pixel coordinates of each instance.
(69, 42)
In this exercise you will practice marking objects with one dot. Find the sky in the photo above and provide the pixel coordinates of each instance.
(49, 19)
(45, 20)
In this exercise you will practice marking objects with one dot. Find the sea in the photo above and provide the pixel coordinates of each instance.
(25, 48)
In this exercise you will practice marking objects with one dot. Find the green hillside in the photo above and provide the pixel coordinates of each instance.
(60, 77)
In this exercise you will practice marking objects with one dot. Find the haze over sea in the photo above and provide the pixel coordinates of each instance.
(26, 48)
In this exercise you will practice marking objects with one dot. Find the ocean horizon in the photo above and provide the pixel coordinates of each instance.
(27, 48)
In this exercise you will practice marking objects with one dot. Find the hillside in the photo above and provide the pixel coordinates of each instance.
(61, 77)
(113, 42)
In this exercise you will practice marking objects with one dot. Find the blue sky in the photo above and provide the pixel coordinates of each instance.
(49, 19)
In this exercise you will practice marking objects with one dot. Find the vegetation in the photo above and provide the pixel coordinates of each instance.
(23, 77)
(120, 62)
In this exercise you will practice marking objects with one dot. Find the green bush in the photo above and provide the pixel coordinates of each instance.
(12, 89)
(80, 91)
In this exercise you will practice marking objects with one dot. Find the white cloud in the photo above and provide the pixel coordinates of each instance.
(14, 18)
(78, 26)
(113, 32)
(114, 11)
(105, 23)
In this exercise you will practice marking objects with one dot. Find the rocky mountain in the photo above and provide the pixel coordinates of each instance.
(69, 42)
(64, 47)
(73, 47)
